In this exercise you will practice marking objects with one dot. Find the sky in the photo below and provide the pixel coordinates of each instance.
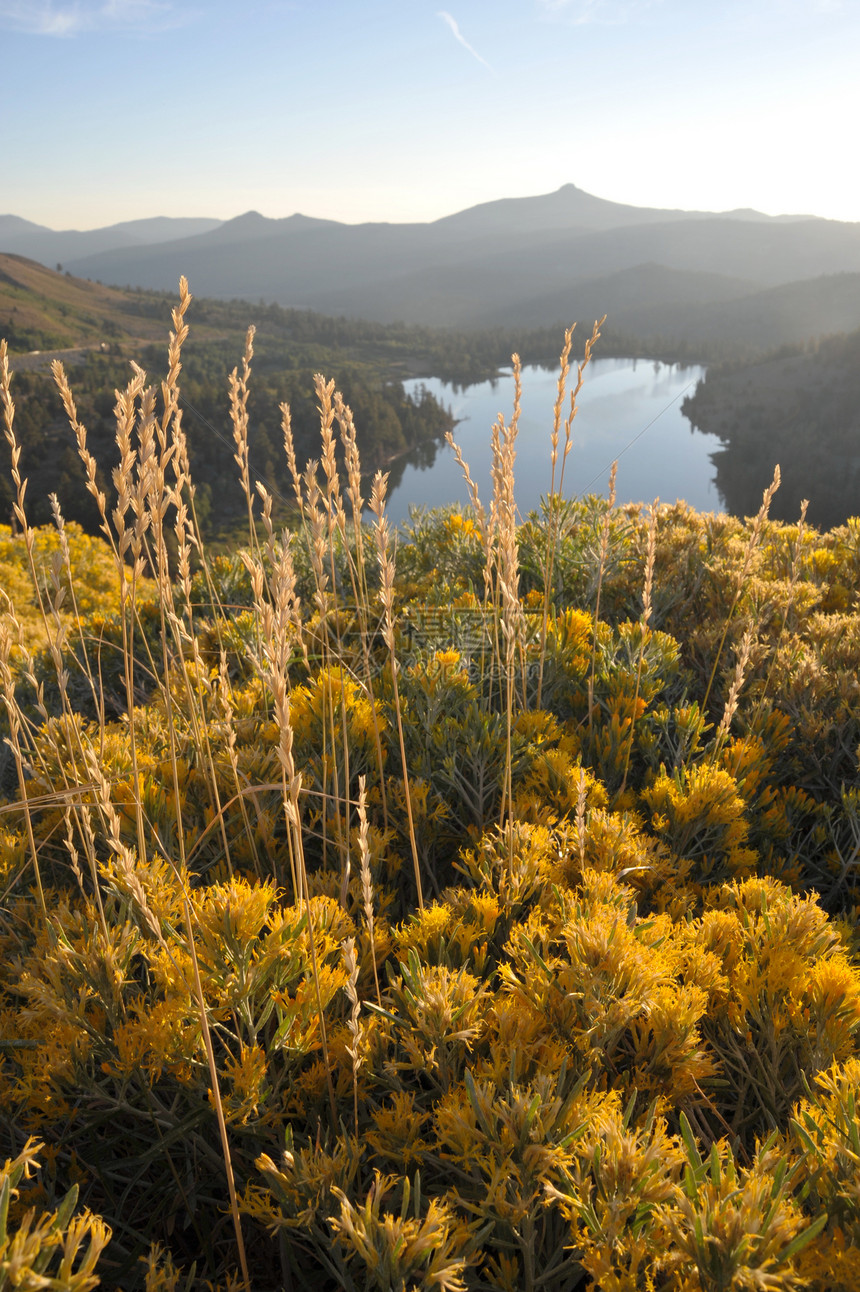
(404, 110)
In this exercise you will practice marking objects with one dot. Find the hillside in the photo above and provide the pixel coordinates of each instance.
(532, 262)
(526, 278)
(799, 406)
(98, 330)
(41, 309)
(699, 283)
(51, 246)
(758, 321)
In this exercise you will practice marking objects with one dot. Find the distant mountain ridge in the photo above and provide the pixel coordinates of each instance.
(50, 246)
(566, 207)
(570, 206)
(517, 262)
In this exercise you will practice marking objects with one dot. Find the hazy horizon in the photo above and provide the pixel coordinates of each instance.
(200, 215)
(130, 109)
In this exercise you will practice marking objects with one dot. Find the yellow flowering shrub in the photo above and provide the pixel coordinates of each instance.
(45, 1249)
(825, 1128)
(793, 1001)
(95, 586)
(700, 817)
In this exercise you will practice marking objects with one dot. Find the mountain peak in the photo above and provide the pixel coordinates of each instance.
(247, 217)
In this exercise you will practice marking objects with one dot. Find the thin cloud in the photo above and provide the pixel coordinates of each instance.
(64, 18)
(458, 35)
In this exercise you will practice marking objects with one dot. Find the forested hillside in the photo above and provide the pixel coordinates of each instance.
(396, 424)
(799, 406)
(99, 330)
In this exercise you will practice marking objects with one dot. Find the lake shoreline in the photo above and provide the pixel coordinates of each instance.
(628, 409)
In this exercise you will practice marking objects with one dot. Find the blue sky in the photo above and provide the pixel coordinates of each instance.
(409, 110)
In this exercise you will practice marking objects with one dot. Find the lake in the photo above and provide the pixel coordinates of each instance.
(629, 409)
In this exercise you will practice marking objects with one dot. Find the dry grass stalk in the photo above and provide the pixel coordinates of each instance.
(358, 572)
(325, 394)
(216, 1096)
(13, 711)
(18, 508)
(734, 692)
(279, 554)
(239, 419)
(502, 556)
(11, 439)
(317, 546)
(563, 371)
(749, 553)
(316, 532)
(66, 561)
(6, 675)
(172, 455)
(80, 432)
(277, 616)
(492, 590)
(290, 451)
(292, 790)
(511, 618)
(230, 740)
(354, 1025)
(386, 592)
(486, 528)
(601, 568)
(181, 495)
(335, 526)
(57, 635)
(57, 642)
(74, 855)
(186, 539)
(55, 631)
(507, 532)
(574, 395)
(580, 817)
(553, 500)
(367, 879)
(122, 856)
(796, 566)
(650, 553)
(158, 498)
(132, 491)
(201, 686)
(477, 505)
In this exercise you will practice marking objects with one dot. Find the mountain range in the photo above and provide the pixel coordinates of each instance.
(49, 246)
(521, 262)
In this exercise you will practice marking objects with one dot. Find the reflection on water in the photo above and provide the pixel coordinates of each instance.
(628, 408)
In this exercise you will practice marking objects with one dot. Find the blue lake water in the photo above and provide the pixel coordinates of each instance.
(628, 409)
